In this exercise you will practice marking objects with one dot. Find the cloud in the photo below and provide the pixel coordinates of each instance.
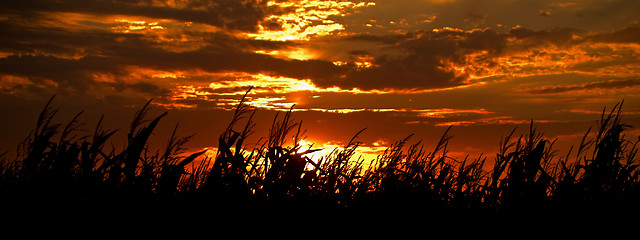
(626, 35)
(71, 54)
(528, 38)
(610, 84)
(219, 13)
(72, 50)
(66, 72)
(426, 60)
(544, 12)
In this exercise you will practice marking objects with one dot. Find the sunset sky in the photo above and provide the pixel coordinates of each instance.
(394, 67)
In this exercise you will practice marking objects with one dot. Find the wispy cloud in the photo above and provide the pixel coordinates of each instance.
(611, 84)
(498, 120)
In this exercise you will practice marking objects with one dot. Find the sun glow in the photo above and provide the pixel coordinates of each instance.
(134, 26)
(272, 92)
(297, 53)
(316, 156)
(264, 83)
(324, 151)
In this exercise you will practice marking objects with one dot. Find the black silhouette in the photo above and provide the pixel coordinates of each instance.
(407, 180)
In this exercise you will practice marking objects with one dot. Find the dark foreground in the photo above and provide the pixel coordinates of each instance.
(58, 173)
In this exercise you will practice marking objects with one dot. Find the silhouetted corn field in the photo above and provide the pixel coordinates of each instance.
(58, 169)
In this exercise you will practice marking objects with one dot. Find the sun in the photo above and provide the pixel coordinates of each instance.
(324, 149)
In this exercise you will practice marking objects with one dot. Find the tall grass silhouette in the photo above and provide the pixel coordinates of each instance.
(56, 167)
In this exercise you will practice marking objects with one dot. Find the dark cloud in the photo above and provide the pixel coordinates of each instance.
(72, 57)
(218, 60)
(486, 40)
(528, 38)
(388, 39)
(147, 87)
(611, 84)
(220, 13)
(423, 64)
(66, 72)
(78, 73)
(623, 60)
(626, 35)
(22, 37)
(25, 36)
(75, 76)
(425, 60)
